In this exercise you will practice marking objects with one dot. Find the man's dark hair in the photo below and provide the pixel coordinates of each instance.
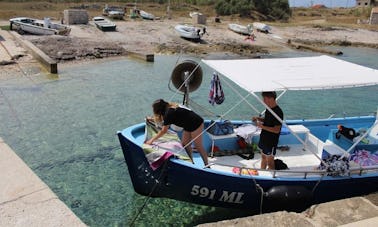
(270, 94)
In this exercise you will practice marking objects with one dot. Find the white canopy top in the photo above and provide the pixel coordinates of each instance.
(303, 73)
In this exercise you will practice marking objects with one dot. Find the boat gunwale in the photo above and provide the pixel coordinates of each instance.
(354, 172)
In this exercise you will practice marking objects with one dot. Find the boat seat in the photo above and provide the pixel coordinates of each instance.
(330, 149)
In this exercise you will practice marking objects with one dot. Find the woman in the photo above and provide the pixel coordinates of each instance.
(192, 123)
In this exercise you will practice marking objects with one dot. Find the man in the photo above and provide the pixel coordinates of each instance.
(270, 130)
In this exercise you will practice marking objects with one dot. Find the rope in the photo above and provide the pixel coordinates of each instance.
(257, 186)
(132, 223)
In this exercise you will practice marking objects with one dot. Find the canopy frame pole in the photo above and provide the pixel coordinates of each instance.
(359, 140)
(240, 95)
(220, 117)
(187, 78)
(279, 96)
(283, 123)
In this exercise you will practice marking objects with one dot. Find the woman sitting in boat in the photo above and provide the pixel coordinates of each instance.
(192, 123)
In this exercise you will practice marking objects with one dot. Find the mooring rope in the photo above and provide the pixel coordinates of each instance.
(132, 223)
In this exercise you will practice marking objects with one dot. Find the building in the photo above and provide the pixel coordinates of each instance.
(75, 16)
(374, 16)
(363, 3)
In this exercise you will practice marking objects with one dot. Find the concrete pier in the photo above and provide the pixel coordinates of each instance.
(27, 201)
(50, 64)
(141, 56)
(351, 212)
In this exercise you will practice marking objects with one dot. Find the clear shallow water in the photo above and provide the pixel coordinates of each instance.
(64, 129)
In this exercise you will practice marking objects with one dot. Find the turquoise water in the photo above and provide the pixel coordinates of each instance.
(64, 129)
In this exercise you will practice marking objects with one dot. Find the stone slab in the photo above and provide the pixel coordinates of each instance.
(351, 212)
(25, 200)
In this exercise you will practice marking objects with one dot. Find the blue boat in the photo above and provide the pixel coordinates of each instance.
(310, 148)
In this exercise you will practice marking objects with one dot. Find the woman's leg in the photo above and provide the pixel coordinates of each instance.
(185, 140)
(197, 136)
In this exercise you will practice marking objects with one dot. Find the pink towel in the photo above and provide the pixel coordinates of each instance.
(157, 163)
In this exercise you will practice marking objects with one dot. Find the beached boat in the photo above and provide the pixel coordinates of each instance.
(38, 27)
(104, 24)
(192, 14)
(113, 12)
(240, 29)
(146, 16)
(261, 27)
(322, 165)
(188, 32)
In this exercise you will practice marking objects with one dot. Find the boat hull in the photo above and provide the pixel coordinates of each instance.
(239, 29)
(185, 182)
(22, 27)
(188, 32)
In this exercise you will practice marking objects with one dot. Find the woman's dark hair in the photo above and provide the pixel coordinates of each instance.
(270, 94)
(160, 106)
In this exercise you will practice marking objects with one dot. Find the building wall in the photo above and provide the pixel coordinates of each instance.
(363, 3)
(374, 16)
(75, 16)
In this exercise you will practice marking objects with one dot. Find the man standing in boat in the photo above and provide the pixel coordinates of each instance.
(270, 130)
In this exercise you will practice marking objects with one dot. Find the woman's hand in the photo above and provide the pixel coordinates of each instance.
(149, 142)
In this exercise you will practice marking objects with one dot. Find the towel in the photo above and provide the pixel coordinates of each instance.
(164, 148)
(216, 94)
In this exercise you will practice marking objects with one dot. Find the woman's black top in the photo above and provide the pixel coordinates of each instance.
(183, 117)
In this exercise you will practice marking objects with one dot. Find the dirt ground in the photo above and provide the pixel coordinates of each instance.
(160, 37)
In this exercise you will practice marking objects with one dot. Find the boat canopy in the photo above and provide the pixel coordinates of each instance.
(301, 73)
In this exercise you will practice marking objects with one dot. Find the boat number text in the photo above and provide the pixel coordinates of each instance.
(226, 196)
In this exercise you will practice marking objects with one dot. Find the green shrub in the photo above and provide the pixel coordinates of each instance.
(273, 9)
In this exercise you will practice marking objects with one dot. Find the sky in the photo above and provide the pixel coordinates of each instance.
(327, 3)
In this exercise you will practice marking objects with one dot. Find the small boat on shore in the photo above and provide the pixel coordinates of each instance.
(146, 16)
(113, 12)
(188, 32)
(323, 165)
(241, 29)
(104, 24)
(38, 27)
(192, 14)
(261, 27)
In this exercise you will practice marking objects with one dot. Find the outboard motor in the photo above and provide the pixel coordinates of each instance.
(288, 197)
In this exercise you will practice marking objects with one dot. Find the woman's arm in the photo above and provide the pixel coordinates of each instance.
(160, 134)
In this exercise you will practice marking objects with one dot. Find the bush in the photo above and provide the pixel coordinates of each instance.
(273, 9)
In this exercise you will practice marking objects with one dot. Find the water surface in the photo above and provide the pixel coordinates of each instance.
(65, 129)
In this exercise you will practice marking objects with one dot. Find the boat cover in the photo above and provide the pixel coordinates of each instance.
(302, 73)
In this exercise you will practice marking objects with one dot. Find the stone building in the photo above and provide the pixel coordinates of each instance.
(75, 16)
(366, 3)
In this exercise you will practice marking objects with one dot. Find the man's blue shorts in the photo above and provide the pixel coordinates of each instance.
(268, 150)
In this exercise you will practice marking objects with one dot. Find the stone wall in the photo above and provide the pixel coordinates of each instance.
(75, 16)
(374, 16)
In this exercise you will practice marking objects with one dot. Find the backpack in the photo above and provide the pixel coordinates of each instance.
(279, 164)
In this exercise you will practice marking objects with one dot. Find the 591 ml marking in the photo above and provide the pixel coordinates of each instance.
(229, 197)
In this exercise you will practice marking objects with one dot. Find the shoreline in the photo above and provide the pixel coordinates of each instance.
(159, 37)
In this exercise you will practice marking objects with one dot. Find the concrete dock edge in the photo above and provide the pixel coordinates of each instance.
(141, 56)
(46, 61)
(25, 200)
(351, 212)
